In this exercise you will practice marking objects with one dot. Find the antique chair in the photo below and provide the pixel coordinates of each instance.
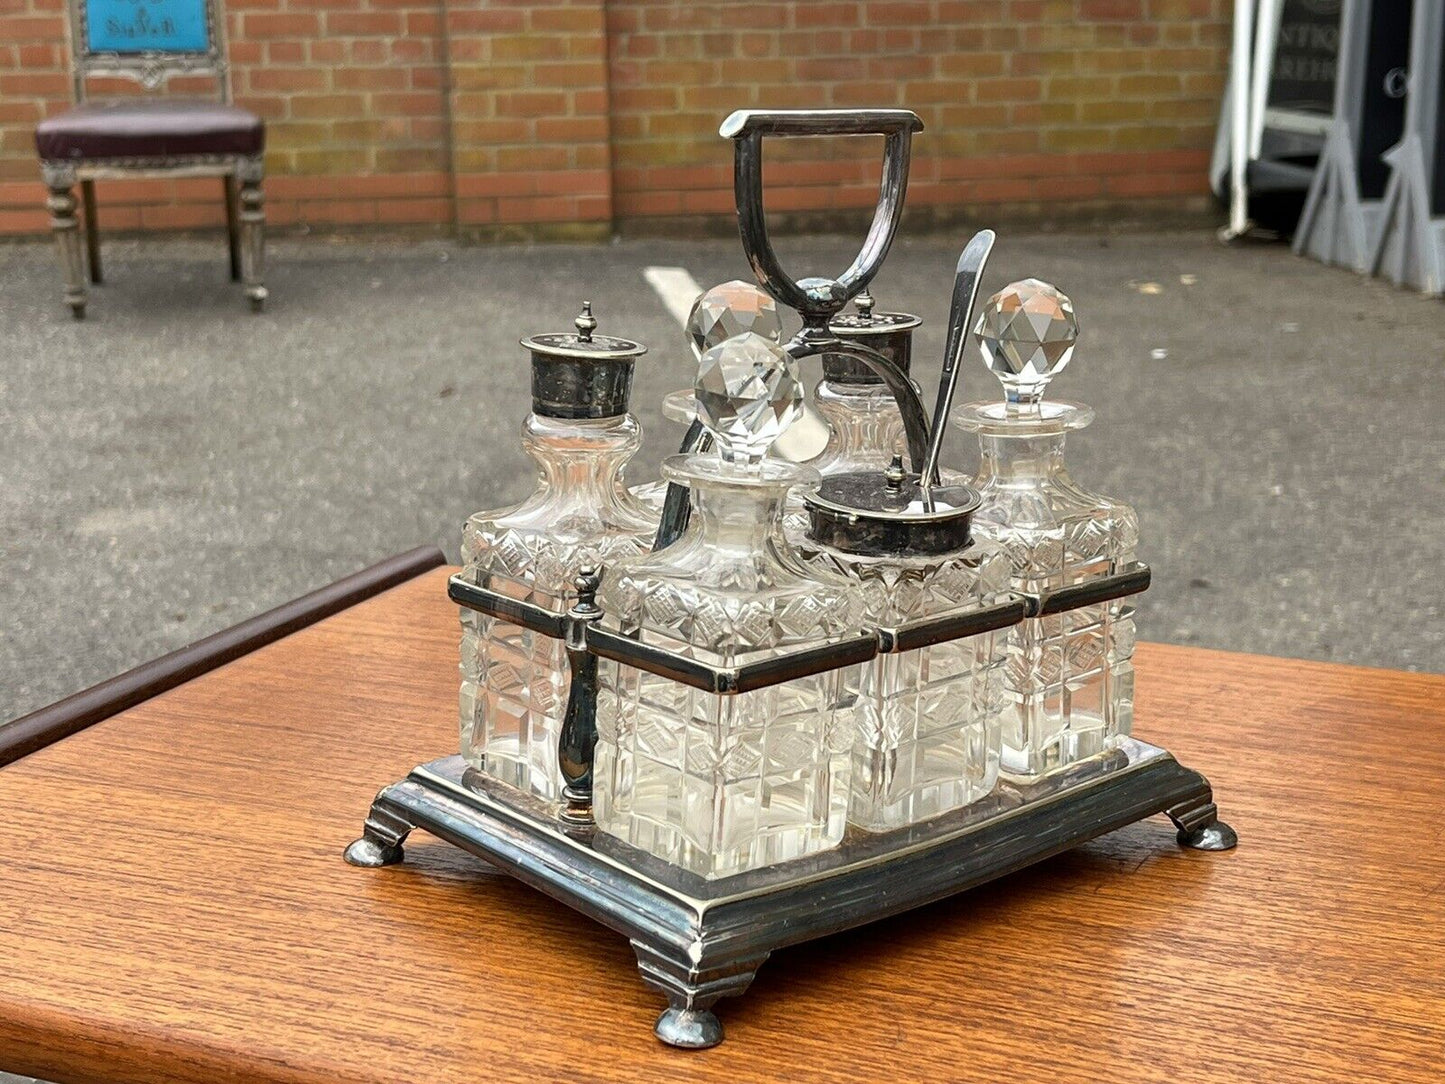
(152, 135)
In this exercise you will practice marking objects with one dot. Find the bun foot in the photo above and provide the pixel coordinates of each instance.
(1212, 837)
(372, 853)
(689, 1029)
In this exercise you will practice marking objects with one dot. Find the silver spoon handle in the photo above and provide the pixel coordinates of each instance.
(965, 291)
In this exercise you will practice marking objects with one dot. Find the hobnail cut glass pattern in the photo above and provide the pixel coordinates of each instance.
(723, 784)
(651, 495)
(1026, 334)
(926, 722)
(515, 681)
(748, 393)
(1069, 677)
(730, 309)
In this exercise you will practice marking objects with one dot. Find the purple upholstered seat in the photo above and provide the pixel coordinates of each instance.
(149, 128)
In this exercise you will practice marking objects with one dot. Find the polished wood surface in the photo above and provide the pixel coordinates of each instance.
(173, 903)
(65, 717)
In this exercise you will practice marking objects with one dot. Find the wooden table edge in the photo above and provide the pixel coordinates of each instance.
(74, 713)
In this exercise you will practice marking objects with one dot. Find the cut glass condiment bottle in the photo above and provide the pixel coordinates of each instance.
(1069, 677)
(580, 514)
(865, 426)
(926, 721)
(722, 784)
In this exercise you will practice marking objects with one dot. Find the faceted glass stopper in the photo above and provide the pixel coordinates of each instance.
(732, 309)
(1026, 333)
(747, 393)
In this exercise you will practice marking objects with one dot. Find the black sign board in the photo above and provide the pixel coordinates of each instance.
(1305, 57)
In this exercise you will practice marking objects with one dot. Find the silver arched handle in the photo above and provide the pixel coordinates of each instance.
(817, 299)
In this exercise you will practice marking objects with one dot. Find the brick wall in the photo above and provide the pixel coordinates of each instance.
(529, 107)
(571, 117)
(1024, 102)
(353, 93)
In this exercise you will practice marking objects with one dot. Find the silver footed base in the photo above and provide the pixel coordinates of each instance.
(1212, 837)
(691, 1029)
(372, 853)
(698, 941)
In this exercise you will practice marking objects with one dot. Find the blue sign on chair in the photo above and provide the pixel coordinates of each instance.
(147, 26)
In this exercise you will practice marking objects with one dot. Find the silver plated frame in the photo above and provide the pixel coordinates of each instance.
(240, 175)
(697, 941)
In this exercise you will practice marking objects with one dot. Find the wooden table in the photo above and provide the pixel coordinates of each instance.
(173, 903)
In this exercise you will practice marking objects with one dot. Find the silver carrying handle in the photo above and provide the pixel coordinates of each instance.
(818, 299)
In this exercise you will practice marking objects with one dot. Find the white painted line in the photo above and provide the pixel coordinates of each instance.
(676, 287)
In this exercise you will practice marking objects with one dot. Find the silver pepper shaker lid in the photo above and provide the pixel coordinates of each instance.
(890, 333)
(888, 514)
(579, 374)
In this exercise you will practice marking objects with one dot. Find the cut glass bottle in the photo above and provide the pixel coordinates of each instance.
(865, 427)
(514, 681)
(728, 309)
(1069, 678)
(926, 721)
(722, 784)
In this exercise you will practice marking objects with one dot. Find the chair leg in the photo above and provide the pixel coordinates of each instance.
(92, 231)
(233, 226)
(253, 240)
(61, 204)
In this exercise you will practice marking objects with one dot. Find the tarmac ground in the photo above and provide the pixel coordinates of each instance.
(174, 464)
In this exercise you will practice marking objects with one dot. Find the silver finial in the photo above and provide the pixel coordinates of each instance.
(585, 323)
(895, 475)
(864, 304)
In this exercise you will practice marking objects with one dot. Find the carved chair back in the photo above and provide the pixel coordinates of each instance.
(148, 41)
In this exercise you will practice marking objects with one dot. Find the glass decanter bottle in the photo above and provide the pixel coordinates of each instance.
(515, 681)
(722, 784)
(1069, 677)
(865, 427)
(926, 721)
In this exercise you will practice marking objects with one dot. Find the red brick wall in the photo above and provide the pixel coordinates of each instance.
(1024, 102)
(529, 104)
(32, 79)
(568, 117)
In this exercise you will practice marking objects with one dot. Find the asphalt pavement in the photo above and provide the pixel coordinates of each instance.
(174, 464)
